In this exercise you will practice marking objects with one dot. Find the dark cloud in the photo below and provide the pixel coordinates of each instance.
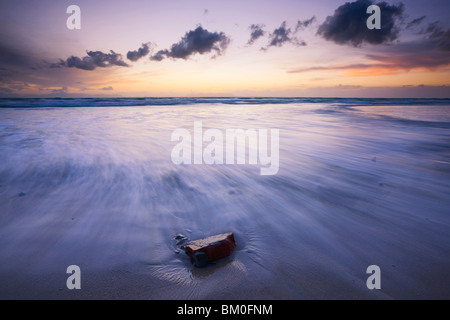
(256, 33)
(60, 64)
(17, 59)
(348, 24)
(109, 88)
(444, 42)
(281, 36)
(415, 22)
(160, 55)
(93, 60)
(438, 35)
(199, 41)
(401, 57)
(434, 30)
(14, 56)
(139, 53)
(301, 25)
(413, 55)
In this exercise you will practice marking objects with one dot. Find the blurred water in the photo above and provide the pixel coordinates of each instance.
(357, 185)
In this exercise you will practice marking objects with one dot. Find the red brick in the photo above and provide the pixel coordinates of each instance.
(206, 250)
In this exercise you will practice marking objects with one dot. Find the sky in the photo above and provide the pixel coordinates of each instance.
(289, 48)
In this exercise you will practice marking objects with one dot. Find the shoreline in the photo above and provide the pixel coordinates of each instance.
(96, 188)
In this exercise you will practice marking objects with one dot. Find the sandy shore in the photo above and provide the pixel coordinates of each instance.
(95, 187)
(303, 274)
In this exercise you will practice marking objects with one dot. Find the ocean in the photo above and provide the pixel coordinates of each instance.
(91, 182)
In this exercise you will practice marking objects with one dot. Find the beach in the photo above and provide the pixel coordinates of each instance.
(90, 182)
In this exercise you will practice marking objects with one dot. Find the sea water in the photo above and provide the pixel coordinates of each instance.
(361, 182)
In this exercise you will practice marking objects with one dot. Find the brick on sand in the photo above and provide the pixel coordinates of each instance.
(212, 248)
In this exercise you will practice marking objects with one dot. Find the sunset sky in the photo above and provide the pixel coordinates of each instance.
(224, 48)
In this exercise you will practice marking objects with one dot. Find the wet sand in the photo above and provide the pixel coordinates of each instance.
(95, 187)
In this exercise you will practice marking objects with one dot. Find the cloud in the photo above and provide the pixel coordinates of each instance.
(301, 25)
(5, 91)
(444, 42)
(436, 33)
(14, 56)
(199, 41)
(10, 86)
(281, 36)
(17, 59)
(62, 90)
(109, 88)
(419, 54)
(256, 33)
(160, 55)
(412, 55)
(434, 30)
(334, 68)
(427, 53)
(139, 53)
(93, 60)
(415, 22)
(348, 24)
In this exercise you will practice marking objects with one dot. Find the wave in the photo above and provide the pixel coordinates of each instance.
(96, 187)
(125, 102)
